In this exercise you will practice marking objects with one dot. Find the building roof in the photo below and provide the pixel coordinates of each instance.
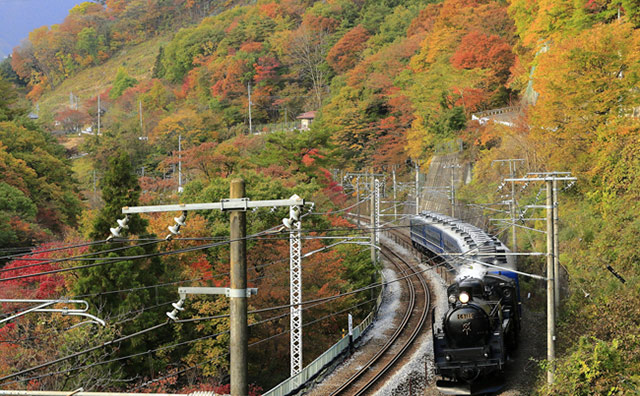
(309, 115)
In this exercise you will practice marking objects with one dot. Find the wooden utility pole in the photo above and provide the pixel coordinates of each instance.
(238, 304)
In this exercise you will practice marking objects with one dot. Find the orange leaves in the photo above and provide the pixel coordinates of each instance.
(270, 10)
(586, 83)
(344, 54)
(310, 156)
(251, 46)
(478, 50)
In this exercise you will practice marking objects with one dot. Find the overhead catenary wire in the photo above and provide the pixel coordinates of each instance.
(130, 258)
(84, 244)
(111, 260)
(250, 345)
(324, 299)
(166, 347)
(80, 257)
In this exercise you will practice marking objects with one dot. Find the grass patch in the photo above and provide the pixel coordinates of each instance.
(137, 60)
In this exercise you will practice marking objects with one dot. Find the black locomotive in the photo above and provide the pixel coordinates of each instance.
(472, 341)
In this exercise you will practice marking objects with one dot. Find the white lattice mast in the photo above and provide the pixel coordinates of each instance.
(295, 269)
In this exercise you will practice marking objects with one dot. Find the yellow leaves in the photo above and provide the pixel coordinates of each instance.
(185, 122)
(586, 83)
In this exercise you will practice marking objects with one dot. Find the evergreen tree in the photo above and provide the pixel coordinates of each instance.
(120, 188)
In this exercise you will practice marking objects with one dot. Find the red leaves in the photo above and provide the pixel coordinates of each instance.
(266, 69)
(345, 53)
(41, 286)
(310, 157)
(478, 50)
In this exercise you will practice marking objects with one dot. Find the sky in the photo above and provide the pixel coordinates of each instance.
(19, 17)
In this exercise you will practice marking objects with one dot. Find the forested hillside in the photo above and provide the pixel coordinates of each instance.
(390, 82)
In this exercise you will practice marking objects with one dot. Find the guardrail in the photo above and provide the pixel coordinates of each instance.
(294, 383)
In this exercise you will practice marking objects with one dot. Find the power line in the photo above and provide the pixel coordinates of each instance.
(250, 345)
(80, 257)
(52, 249)
(179, 344)
(76, 354)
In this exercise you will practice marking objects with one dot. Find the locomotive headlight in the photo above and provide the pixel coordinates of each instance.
(452, 299)
(464, 297)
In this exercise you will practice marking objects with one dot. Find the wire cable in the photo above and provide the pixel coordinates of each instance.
(250, 345)
(52, 249)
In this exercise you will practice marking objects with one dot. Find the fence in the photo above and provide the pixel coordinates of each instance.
(292, 384)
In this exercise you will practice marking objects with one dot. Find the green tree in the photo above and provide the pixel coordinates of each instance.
(88, 41)
(120, 188)
(121, 82)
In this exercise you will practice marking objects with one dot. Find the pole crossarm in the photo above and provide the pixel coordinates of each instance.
(242, 204)
(248, 292)
(546, 178)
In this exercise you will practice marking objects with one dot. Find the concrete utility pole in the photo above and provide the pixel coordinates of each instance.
(551, 320)
(358, 200)
(395, 197)
(140, 112)
(512, 204)
(238, 291)
(549, 178)
(99, 113)
(556, 248)
(249, 93)
(453, 187)
(238, 304)
(180, 163)
(417, 165)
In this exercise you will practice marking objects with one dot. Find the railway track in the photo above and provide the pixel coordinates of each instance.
(413, 321)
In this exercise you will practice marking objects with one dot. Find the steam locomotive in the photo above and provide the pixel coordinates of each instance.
(472, 341)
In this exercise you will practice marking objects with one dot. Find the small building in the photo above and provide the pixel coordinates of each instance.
(306, 119)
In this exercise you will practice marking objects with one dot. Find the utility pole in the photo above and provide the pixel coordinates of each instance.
(249, 93)
(512, 204)
(549, 178)
(551, 320)
(556, 248)
(99, 113)
(358, 200)
(395, 197)
(238, 291)
(180, 163)
(140, 112)
(238, 304)
(453, 187)
(417, 165)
